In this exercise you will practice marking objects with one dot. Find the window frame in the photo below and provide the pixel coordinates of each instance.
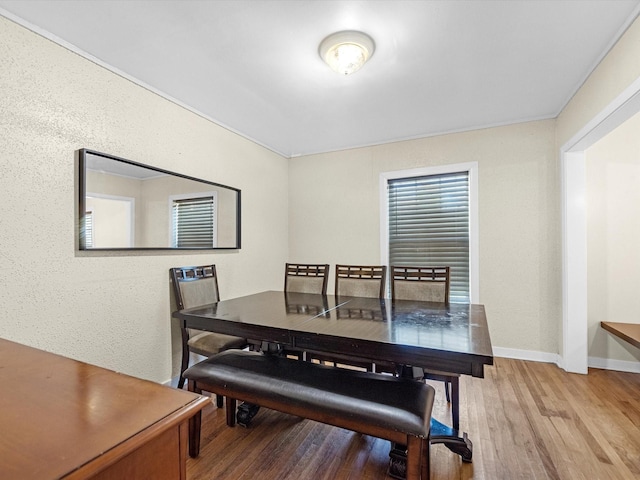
(472, 169)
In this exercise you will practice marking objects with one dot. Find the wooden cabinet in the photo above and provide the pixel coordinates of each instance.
(61, 418)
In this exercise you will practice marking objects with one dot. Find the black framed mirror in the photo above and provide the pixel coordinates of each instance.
(127, 205)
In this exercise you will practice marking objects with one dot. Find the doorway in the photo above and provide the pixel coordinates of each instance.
(574, 355)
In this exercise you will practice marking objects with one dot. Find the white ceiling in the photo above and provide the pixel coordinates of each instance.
(253, 65)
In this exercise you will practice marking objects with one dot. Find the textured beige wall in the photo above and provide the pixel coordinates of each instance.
(619, 69)
(111, 310)
(334, 218)
(613, 230)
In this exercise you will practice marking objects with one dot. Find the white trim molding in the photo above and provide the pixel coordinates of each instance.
(574, 262)
(530, 355)
(545, 357)
(611, 364)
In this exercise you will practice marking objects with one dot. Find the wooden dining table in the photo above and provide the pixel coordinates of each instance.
(451, 338)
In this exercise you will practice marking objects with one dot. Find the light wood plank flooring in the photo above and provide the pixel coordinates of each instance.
(527, 421)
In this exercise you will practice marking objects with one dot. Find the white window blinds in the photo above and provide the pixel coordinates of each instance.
(194, 223)
(88, 229)
(429, 225)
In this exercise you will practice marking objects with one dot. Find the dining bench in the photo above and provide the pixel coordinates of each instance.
(383, 406)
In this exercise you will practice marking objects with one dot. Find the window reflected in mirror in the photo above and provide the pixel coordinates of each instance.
(128, 205)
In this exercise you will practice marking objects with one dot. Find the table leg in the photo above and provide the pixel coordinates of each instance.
(460, 445)
(458, 442)
(440, 433)
(246, 411)
(455, 402)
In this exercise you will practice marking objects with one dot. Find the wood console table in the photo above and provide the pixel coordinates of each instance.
(629, 332)
(61, 418)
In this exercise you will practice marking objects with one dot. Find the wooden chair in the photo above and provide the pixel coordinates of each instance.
(428, 284)
(192, 287)
(306, 278)
(360, 281)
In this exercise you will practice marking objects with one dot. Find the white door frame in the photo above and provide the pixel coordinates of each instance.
(574, 356)
(130, 205)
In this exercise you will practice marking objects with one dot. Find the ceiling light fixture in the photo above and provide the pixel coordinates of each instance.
(345, 52)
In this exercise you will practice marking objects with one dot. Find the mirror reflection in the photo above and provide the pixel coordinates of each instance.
(127, 205)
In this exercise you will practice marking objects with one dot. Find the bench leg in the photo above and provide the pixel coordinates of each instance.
(231, 412)
(414, 452)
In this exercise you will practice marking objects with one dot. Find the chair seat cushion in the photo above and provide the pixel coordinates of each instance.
(208, 343)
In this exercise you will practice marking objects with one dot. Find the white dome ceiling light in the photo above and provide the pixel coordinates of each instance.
(346, 52)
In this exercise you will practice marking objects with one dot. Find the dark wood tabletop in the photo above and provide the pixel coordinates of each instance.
(453, 338)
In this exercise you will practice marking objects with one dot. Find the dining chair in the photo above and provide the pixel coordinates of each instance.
(306, 278)
(360, 280)
(193, 287)
(428, 284)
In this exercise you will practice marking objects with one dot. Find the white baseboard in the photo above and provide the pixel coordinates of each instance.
(530, 355)
(610, 364)
(545, 357)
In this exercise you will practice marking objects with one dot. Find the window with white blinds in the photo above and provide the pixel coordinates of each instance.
(429, 225)
(194, 222)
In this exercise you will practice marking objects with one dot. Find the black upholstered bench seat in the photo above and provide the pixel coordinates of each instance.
(383, 406)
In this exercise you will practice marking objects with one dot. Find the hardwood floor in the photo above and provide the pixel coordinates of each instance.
(527, 421)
